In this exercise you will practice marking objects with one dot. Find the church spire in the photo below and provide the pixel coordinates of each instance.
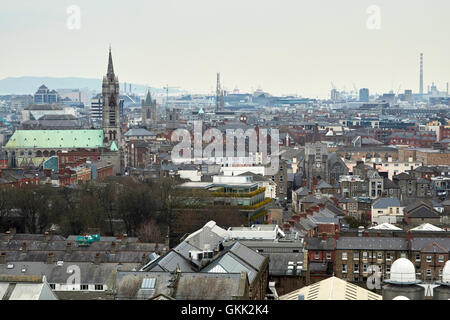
(148, 99)
(110, 73)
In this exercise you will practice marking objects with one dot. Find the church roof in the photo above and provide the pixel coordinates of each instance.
(113, 147)
(54, 139)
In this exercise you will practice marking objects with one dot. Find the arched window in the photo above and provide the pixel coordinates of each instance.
(39, 153)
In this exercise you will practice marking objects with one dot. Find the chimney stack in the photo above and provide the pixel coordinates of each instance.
(144, 259)
(47, 236)
(69, 247)
(24, 247)
(97, 258)
(113, 247)
(366, 233)
(124, 238)
(408, 235)
(3, 258)
(378, 233)
(50, 258)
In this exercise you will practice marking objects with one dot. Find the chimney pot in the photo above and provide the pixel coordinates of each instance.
(97, 258)
(69, 247)
(3, 258)
(50, 258)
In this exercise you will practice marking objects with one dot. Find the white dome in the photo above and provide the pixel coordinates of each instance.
(403, 271)
(400, 298)
(446, 272)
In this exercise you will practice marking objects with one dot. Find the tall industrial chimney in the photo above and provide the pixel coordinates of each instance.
(421, 73)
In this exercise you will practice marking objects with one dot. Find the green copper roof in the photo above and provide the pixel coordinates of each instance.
(113, 147)
(53, 139)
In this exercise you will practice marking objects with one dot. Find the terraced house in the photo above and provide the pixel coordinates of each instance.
(358, 257)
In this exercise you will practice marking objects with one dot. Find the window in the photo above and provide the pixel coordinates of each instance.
(441, 258)
(84, 287)
(355, 255)
(344, 255)
(417, 257)
(380, 269)
(52, 286)
(388, 269)
(356, 268)
(98, 287)
(316, 255)
(328, 255)
(364, 268)
(344, 268)
(428, 272)
(356, 279)
(380, 256)
(365, 255)
(428, 258)
(388, 256)
(403, 255)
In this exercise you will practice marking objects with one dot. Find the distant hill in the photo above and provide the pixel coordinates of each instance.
(29, 85)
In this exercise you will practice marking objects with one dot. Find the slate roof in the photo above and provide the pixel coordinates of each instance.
(423, 212)
(319, 244)
(89, 273)
(419, 244)
(190, 286)
(138, 132)
(384, 203)
(371, 243)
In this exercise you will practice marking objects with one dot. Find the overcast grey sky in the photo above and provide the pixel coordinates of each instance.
(284, 46)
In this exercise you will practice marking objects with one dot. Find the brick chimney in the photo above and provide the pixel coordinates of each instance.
(69, 247)
(144, 259)
(50, 258)
(378, 233)
(3, 258)
(316, 208)
(321, 205)
(47, 236)
(97, 258)
(366, 233)
(24, 247)
(113, 247)
(124, 238)
(408, 235)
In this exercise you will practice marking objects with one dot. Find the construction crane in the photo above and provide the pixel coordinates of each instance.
(398, 90)
(167, 94)
(356, 90)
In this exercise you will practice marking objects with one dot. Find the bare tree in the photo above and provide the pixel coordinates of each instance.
(149, 232)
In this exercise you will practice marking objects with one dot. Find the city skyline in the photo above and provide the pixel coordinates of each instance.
(252, 44)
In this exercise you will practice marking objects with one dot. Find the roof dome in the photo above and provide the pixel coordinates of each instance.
(446, 272)
(400, 298)
(403, 271)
